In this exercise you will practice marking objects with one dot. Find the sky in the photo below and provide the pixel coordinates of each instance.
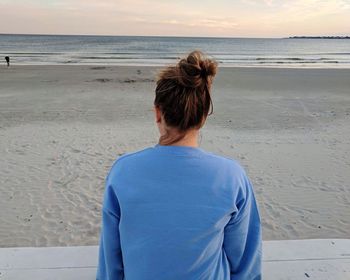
(219, 18)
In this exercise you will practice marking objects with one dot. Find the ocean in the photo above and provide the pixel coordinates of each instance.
(142, 50)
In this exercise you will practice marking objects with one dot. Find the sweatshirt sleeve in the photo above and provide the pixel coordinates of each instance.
(110, 263)
(242, 236)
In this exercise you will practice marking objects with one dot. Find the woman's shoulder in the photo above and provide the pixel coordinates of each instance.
(121, 163)
(133, 154)
(127, 156)
(229, 162)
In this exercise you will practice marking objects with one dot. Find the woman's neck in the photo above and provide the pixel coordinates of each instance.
(190, 139)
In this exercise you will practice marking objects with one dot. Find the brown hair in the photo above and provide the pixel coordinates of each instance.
(183, 94)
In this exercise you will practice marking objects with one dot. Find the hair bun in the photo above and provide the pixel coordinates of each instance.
(196, 70)
(208, 68)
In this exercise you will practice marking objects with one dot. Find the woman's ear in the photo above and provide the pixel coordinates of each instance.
(158, 114)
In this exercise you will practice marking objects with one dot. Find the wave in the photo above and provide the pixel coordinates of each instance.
(121, 58)
(302, 62)
(334, 53)
(33, 53)
(292, 58)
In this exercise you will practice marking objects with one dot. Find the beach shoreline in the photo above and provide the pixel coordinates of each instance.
(62, 126)
(160, 50)
(158, 66)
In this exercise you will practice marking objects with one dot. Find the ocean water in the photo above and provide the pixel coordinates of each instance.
(139, 50)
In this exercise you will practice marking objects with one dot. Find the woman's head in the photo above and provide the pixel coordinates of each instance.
(183, 96)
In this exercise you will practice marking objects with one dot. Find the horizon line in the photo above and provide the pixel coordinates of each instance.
(166, 36)
(173, 36)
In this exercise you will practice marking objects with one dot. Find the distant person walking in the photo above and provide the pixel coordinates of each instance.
(7, 58)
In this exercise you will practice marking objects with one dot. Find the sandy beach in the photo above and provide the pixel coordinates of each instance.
(61, 127)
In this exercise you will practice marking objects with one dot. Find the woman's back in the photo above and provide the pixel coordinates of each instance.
(179, 212)
(175, 211)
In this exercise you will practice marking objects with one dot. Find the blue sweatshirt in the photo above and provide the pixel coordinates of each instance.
(179, 212)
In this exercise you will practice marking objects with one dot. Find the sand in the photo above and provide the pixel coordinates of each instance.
(61, 127)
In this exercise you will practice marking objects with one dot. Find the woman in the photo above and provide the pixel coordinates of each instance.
(175, 211)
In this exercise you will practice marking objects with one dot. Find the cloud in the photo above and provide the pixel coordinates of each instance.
(268, 3)
(216, 23)
(204, 23)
